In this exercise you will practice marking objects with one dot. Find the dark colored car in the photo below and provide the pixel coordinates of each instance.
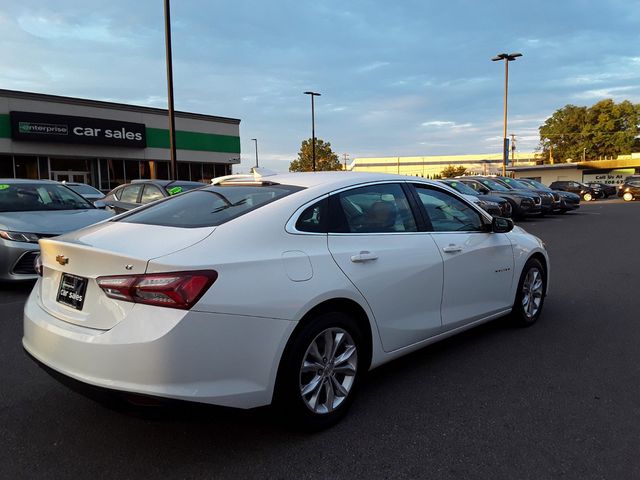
(548, 201)
(522, 203)
(585, 191)
(607, 190)
(630, 190)
(140, 192)
(556, 205)
(492, 204)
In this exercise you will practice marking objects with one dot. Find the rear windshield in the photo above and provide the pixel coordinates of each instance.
(208, 207)
(84, 189)
(32, 197)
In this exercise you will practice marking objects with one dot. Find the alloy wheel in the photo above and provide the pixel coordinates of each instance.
(532, 291)
(328, 370)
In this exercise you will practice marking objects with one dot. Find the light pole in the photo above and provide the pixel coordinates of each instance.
(172, 122)
(507, 57)
(256, 141)
(313, 128)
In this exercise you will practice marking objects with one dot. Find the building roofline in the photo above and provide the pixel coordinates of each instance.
(112, 105)
(557, 166)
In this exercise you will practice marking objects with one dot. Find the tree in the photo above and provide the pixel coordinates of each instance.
(452, 171)
(325, 158)
(605, 129)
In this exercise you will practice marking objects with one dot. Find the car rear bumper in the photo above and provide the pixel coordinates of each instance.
(227, 360)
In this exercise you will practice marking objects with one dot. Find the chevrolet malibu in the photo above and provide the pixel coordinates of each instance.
(282, 289)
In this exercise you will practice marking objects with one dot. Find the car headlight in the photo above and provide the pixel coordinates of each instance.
(19, 236)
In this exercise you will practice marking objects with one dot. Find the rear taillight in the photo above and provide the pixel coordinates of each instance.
(173, 290)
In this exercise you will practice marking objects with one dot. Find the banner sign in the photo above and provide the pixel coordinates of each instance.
(46, 127)
(612, 177)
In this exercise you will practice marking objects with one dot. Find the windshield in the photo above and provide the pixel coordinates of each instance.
(33, 197)
(514, 183)
(527, 184)
(462, 188)
(537, 184)
(491, 185)
(208, 207)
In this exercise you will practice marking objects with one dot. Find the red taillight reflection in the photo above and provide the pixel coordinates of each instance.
(174, 289)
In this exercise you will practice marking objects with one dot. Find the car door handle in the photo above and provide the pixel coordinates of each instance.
(364, 256)
(452, 249)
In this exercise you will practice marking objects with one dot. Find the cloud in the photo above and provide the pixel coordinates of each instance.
(612, 92)
(372, 66)
(444, 123)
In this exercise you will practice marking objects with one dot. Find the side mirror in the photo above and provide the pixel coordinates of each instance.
(99, 204)
(501, 225)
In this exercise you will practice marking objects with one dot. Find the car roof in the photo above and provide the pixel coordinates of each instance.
(336, 179)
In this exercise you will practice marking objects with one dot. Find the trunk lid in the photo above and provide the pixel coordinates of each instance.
(113, 248)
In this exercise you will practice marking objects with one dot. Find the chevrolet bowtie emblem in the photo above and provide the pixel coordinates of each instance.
(62, 260)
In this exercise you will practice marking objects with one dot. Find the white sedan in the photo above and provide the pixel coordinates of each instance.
(280, 289)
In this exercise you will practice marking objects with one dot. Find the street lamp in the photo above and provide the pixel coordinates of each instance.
(313, 129)
(256, 141)
(507, 57)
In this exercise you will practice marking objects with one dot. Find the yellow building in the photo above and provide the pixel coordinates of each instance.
(428, 166)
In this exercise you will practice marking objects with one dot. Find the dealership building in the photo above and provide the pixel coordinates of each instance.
(106, 144)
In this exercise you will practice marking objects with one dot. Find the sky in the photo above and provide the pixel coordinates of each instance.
(399, 78)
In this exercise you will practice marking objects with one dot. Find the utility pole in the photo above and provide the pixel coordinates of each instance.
(172, 119)
(513, 149)
(345, 156)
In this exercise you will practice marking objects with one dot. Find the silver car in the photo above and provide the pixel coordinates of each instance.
(34, 209)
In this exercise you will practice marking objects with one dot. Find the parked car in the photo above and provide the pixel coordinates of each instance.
(522, 204)
(35, 209)
(556, 199)
(606, 190)
(492, 204)
(141, 192)
(547, 199)
(630, 190)
(87, 191)
(283, 289)
(585, 191)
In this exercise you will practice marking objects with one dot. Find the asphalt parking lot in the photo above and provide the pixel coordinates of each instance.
(558, 400)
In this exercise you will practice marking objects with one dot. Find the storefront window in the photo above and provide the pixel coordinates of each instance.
(116, 173)
(131, 170)
(162, 170)
(44, 167)
(208, 172)
(26, 167)
(221, 170)
(6, 166)
(183, 171)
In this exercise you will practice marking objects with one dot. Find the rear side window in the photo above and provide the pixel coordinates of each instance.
(208, 207)
(130, 194)
(314, 218)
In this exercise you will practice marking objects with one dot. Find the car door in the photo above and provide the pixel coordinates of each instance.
(375, 240)
(478, 264)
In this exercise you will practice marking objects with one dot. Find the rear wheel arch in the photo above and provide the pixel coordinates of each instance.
(342, 305)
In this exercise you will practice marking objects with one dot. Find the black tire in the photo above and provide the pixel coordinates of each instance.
(528, 304)
(293, 407)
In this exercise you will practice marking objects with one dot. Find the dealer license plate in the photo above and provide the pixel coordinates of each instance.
(72, 291)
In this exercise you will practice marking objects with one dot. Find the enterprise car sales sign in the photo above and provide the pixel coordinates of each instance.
(46, 127)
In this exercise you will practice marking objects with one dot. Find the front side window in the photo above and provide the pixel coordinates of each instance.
(447, 213)
(210, 206)
(378, 208)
